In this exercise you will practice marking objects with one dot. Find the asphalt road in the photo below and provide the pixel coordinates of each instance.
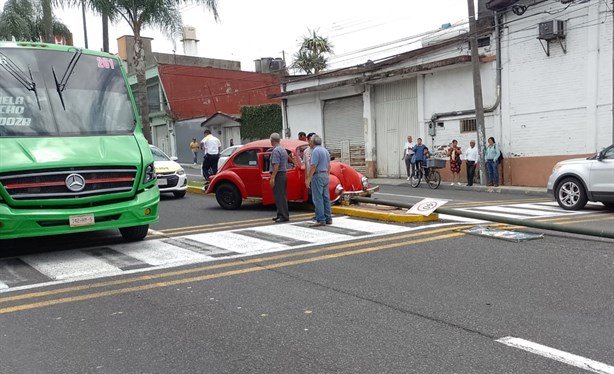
(425, 300)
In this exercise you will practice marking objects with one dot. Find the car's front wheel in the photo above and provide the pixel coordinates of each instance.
(228, 196)
(134, 233)
(570, 194)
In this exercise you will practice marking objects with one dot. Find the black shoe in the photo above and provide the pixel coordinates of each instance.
(329, 222)
(469, 185)
(275, 218)
(282, 220)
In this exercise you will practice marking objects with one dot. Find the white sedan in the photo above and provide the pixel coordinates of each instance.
(171, 176)
(225, 155)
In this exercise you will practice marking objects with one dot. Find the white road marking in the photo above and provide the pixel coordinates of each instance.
(498, 214)
(156, 252)
(558, 355)
(3, 286)
(448, 217)
(519, 212)
(237, 243)
(69, 264)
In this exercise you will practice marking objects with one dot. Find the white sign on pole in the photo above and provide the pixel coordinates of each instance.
(426, 206)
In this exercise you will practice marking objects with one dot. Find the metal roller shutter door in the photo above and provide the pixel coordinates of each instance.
(344, 131)
(396, 117)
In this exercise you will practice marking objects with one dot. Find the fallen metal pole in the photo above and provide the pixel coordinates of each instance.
(492, 218)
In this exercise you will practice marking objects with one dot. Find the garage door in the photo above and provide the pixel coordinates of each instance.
(396, 117)
(344, 131)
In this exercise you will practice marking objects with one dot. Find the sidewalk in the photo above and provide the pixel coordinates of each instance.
(517, 190)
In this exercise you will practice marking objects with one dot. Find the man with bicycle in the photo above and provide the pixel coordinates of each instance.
(419, 154)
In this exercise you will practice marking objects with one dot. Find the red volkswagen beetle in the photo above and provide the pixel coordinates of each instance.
(246, 176)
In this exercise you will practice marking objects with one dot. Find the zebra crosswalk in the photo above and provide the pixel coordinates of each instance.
(124, 258)
(523, 211)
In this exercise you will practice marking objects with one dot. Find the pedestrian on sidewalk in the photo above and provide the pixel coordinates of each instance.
(302, 136)
(472, 156)
(194, 147)
(279, 180)
(211, 146)
(454, 153)
(318, 179)
(408, 154)
(492, 162)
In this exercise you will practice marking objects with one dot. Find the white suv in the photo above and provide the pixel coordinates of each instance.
(574, 182)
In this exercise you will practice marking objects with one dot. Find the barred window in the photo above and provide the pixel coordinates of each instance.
(468, 125)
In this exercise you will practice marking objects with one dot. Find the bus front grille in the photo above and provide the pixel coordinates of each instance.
(68, 182)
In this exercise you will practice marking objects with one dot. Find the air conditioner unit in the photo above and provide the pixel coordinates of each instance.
(554, 29)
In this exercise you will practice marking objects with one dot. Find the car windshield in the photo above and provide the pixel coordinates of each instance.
(57, 93)
(228, 151)
(158, 155)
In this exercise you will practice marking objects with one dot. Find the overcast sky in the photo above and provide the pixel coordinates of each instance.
(250, 29)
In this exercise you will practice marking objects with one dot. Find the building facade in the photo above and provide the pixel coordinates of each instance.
(546, 97)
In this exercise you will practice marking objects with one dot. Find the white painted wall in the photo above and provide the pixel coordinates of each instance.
(560, 104)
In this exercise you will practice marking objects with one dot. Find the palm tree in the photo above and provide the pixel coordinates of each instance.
(21, 20)
(161, 14)
(312, 54)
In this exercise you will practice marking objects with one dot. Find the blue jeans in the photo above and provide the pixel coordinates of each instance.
(492, 166)
(321, 197)
(195, 157)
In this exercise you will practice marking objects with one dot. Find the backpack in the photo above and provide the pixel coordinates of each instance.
(500, 159)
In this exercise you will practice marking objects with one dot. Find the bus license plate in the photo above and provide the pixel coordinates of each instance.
(162, 182)
(83, 220)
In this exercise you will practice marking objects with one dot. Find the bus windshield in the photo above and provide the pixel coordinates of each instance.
(58, 93)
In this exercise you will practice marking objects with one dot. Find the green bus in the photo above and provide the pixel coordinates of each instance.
(73, 157)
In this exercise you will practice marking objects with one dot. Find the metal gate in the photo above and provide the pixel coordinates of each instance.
(396, 117)
(344, 131)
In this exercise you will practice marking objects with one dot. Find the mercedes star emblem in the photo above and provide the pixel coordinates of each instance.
(75, 182)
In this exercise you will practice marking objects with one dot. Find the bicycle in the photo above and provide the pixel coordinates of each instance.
(431, 176)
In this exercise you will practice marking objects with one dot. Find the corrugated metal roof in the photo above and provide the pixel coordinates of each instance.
(194, 91)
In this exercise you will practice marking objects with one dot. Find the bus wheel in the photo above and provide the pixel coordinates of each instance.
(134, 233)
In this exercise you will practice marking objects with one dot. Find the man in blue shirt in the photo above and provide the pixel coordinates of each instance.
(419, 153)
(279, 180)
(318, 177)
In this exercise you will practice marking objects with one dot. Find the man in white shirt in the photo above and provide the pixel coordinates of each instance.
(408, 152)
(471, 158)
(212, 148)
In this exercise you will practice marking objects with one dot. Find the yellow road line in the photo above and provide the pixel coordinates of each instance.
(580, 220)
(568, 218)
(142, 278)
(232, 223)
(150, 286)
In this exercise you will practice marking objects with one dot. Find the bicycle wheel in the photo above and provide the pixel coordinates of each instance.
(434, 179)
(415, 179)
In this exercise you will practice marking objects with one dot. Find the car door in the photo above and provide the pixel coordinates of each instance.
(602, 176)
(245, 165)
(265, 178)
(295, 189)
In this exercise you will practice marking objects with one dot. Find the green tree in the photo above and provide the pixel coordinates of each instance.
(312, 56)
(23, 20)
(260, 121)
(161, 14)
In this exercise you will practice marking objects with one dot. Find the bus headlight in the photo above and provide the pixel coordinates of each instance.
(150, 174)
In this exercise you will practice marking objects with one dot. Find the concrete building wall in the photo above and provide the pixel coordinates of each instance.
(557, 106)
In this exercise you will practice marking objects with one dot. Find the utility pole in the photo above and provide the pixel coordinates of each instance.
(477, 90)
(84, 23)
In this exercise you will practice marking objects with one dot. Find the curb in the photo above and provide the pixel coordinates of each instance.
(362, 213)
(197, 190)
(383, 216)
